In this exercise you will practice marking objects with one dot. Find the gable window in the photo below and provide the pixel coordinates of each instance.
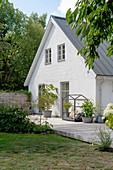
(48, 56)
(61, 52)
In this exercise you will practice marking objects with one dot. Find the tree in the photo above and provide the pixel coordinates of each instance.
(1, 2)
(42, 19)
(12, 25)
(20, 37)
(93, 19)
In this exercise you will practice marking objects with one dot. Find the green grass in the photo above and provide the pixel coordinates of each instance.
(38, 152)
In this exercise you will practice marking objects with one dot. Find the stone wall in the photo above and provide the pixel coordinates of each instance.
(14, 98)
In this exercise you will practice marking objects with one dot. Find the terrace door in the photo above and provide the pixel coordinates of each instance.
(64, 93)
(40, 92)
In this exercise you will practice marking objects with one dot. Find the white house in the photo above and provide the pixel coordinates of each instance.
(56, 62)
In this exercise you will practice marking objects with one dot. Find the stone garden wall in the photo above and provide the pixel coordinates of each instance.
(14, 98)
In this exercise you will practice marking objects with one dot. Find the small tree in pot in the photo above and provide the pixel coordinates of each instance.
(67, 105)
(47, 99)
(88, 110)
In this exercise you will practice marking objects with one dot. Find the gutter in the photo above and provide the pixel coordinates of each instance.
(101, 75)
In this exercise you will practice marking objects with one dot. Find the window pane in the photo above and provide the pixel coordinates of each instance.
(67, 86)
(64, 52)
(49, 51)
(63, 46)
(50, 59)
(59, 57)
(46, 52)
(48, 56)
(63, 86)
(63, 57)
(59, 47)
(46, 59)
(61, 52)
(63, 94)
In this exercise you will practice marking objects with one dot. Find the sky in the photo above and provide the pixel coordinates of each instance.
(51, 7)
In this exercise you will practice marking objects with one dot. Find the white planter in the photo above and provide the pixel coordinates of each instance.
(47, 113)
(87, 119)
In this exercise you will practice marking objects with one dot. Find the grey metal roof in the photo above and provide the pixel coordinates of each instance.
(102, 66)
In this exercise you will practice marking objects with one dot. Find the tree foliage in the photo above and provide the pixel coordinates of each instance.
(20, 37)
(42, 19)
(93, 19)
(1, 2)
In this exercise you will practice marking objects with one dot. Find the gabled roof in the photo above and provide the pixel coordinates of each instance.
(102, 66)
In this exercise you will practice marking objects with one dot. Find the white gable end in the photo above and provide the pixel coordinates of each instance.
(71, 70)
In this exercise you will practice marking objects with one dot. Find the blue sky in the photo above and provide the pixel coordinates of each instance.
(51, 7)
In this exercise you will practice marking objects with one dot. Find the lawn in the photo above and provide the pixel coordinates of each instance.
(51, 151)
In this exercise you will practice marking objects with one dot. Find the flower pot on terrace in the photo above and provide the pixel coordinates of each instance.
(47, 113)
(87, 119)
(99, 119)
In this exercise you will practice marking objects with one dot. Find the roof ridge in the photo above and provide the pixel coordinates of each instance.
(58, 17)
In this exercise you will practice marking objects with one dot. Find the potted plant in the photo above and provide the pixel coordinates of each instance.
(99, 110)
(67, 105)
(88, 110)
(47, 99)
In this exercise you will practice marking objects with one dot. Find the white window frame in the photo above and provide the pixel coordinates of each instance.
(48, 56)
(61, 55)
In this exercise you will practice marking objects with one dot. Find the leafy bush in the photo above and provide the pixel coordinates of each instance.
(43, 128)
(67, 105)
(14, 119)
(88, 108)
(108, 115)
(105, 139)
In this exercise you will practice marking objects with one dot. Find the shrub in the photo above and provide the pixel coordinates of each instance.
(67, 105)
(14, 120)
(105, 139)
(43, 128)
(108, 115)
(88, 108)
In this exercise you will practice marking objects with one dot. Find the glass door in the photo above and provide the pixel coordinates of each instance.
(64, 93)
(40, 92)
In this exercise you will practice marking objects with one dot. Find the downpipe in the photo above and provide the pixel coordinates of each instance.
(100, 89)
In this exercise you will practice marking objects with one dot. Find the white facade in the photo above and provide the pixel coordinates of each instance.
(104, 90)
(72, 70)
